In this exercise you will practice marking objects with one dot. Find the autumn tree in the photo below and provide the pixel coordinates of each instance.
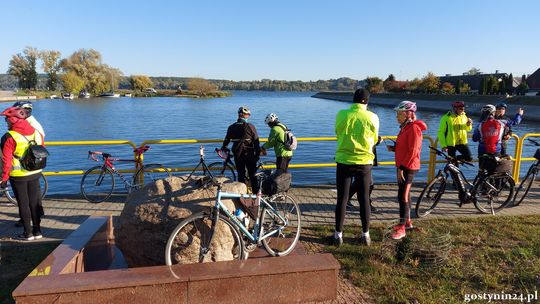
(430, 83)
(140, 82)
(51, 66)
(447, 88)
(87, 65)
(465, 89)
(374, 84)
(72, 82)
(389, 84)
(201, 86)
(23, 67)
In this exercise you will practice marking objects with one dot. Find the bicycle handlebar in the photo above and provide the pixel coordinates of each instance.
(92, 155)
(220, 153)
(450, 158)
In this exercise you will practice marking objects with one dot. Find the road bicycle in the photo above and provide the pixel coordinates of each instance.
(98, 182)
(227, 168)
(276, 226)
(523, 189)
(7, 197)
(490, 192)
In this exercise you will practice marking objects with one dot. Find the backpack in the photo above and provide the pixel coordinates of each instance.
(35, 157)
(290, 143)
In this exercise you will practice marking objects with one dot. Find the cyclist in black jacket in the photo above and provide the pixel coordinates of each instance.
(246, 147)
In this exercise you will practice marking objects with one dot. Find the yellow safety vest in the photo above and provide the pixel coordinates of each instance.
(21, 148)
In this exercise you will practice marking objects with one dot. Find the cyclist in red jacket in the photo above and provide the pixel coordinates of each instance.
(407, 148)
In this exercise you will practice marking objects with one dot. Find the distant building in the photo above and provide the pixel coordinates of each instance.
(473, 81)
(533, 81)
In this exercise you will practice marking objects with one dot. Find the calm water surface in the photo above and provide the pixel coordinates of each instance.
(139, 119)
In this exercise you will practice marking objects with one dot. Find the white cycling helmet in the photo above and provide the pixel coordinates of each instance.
(406, 106)
(272, 117)
(23, 104)
(489, 109)
(244, 110)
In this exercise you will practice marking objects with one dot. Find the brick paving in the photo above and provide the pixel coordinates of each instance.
(65, 213)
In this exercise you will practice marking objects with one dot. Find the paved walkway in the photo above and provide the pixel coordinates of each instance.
(64, 214)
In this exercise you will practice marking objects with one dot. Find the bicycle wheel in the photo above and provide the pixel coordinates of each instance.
(430, 196)
(149, 174)
(493, 193)
(287, 232)
(190, 241)
(523, 189)
(97, 184)
(219, 170)
(10, 196)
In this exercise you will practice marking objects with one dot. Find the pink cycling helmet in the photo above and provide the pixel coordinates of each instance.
(406, 106)
(14, 114)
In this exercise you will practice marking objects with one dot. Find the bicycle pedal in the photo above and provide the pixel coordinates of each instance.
(250, 247)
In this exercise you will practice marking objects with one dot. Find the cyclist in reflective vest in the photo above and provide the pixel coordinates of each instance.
(25, 184)
(453, 130)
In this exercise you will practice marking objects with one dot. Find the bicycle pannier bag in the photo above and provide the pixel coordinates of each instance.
(290, 142)
(504, 166)
(278, 182)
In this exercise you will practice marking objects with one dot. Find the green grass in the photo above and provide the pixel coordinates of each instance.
(17, 261)
(491, 254)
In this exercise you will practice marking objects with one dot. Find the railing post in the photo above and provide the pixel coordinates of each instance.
(517, 157)
(432, 161)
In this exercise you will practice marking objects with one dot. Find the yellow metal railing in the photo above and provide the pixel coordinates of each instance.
(431, 161)
(86, 143)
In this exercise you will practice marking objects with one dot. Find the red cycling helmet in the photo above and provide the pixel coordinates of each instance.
(458, 104)
(13, 114)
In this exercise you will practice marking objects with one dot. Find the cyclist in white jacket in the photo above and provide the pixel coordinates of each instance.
(27, 106)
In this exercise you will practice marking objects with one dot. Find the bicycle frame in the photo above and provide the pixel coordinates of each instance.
(256, 236)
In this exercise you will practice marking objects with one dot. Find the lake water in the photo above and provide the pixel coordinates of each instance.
(139, 119)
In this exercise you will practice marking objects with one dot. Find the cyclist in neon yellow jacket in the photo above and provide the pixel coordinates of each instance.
(453, 130)
(357, 132)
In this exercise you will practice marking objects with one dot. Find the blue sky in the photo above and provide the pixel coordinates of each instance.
(289, 40)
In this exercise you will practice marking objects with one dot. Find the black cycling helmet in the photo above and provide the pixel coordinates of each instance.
(501, 105)
(244, 110)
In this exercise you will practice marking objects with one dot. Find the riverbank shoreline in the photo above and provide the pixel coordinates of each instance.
(441, 103)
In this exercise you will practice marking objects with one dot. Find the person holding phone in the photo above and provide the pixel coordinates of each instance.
(407, 150)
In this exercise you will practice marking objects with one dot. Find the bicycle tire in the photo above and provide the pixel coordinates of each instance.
(147, 174)
(191, 229)
(428, 198)
(524, 186)
(222, 171)
(488, 200)
(287, 238)
(101, 175)
(43, 186)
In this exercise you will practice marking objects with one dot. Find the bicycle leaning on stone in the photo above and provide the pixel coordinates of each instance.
(526, 183)
(275, 224)
(490, 191)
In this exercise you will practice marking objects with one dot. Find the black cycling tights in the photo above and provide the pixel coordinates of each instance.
(28, 196)
(404, 195)
(362, 177)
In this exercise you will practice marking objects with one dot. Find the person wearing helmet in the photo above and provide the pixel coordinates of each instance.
(25, 184)
(500, 115)
(357, 131)
(276, 140)
(489, 132)
(246, 148)
(407, 157)
(453, 129)
(27, 106)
